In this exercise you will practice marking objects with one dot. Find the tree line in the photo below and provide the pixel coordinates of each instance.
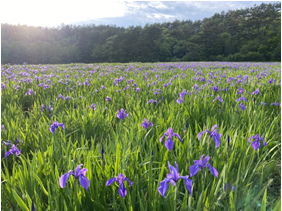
(250, 34)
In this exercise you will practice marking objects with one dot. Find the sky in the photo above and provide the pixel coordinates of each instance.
(53, 13)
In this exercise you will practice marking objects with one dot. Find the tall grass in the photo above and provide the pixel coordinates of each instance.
(133, 150)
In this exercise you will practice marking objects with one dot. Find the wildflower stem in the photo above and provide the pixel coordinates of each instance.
(200, 178)
(14, 158)
(209, 145)
(75, 194)
(175, 197)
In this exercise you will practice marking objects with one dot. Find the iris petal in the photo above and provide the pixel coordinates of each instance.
(63, 179)
(212, 170)
(163, 187)
(216, 139)
(130, 183)
(188, 183)
(255, 145)
(193, 170)
(178, 136)
(169, 143)
(201, 133)
(110, 181)
(170, 132)
(122, 191)
(84, 182)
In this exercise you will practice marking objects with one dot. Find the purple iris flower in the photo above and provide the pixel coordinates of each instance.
(263, 103)
(256, 92)
(200, 164)
(241, 98)
(3, 86)
(84, 182)
(179, 101)
(7, 143)
(120, 179)
(215, 88)
(213, 134)
(242, 106)
(108, 98)
(3, 128)
(169, 142)
(93, 106)
(229, 79)
(256, 143)
(67, 97)
(169, 83)
(238, 81)
(270, 81)
(276, 104)
(56, 125)
(152, 101)
(14, 149)
(137, 89)
(18, 141)
(245, 77)
(196, 87)
(173, 178)
(164, 86)
(182, 94)
(240, 91)
(146, 124)
(60, 96)
(32, 206)
(218, 98)
(29, 92)
(42, 107)
(50, 108)
(102, 152)
(122, 114)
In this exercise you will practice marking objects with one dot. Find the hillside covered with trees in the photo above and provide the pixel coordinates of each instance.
(250, 34)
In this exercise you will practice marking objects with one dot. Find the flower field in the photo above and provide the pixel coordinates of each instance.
(141, 136)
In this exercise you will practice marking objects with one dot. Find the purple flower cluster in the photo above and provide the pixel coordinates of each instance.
(30, 92)
(146, 124)
(56, 125)
(122, 114)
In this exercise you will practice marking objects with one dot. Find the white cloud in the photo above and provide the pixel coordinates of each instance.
(163, 16)
(157, 5)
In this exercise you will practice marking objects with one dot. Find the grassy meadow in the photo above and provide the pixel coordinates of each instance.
(50, 126)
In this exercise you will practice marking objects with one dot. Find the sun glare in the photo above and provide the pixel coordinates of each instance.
(53, 13)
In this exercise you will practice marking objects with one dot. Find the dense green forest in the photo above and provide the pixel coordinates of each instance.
(250, 34)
